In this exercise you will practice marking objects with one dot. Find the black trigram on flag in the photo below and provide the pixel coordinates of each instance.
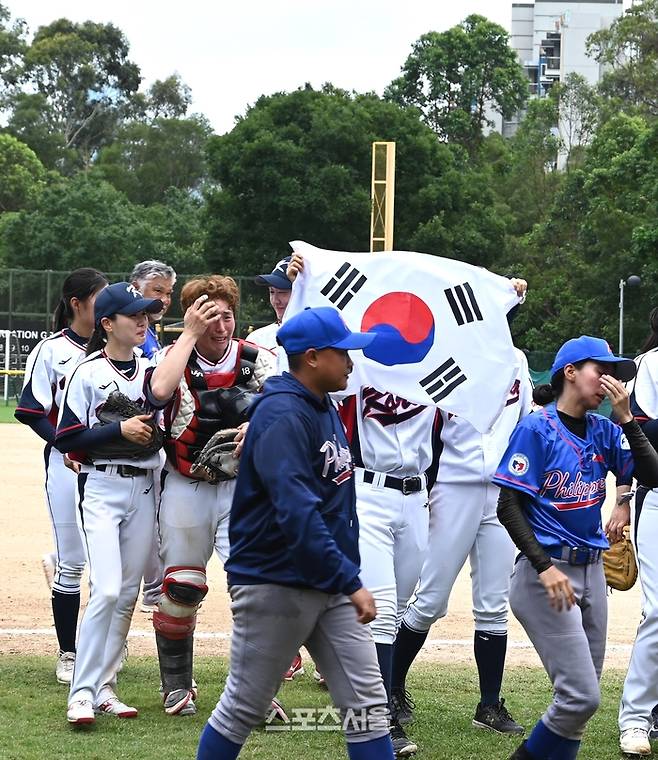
(443, 380)
(344, 285)
(463, 304)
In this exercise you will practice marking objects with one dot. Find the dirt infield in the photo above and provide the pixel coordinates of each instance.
(25, 615)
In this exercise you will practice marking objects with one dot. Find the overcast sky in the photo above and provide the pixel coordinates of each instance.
(229, 53)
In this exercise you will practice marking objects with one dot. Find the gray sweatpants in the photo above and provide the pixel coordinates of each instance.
(270, 623)
(571, 644)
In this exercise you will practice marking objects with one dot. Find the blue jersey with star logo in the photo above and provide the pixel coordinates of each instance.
(564, 475)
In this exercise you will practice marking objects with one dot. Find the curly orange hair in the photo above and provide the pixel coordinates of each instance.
(214, 286)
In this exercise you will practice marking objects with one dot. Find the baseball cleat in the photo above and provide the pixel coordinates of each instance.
(296, 669)
(402, 744)
(276, 712)
(64, 667)
(194, 690)
(114, 706)
(319, 678)
(180, 702)
(49, 565)
(80, 713)
(635, 741)
(402, 706)
(496, 718)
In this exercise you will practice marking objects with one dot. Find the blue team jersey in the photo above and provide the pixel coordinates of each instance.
(564, 475)
(151, 344)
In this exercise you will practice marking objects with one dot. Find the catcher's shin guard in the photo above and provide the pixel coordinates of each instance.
(183, 588)
(176, 659)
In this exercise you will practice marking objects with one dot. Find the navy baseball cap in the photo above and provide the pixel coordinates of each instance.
(595, 349)
(278, 278)
(319, 328)
(123, 298)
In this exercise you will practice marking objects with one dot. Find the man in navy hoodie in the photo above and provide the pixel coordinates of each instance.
(293, 568)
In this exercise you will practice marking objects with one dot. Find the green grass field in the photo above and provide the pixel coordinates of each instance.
(33, 723)
(7, 411)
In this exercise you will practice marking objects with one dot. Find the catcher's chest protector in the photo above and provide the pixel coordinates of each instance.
(209, 402)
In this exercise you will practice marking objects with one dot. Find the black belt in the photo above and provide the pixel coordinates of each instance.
(412, 484)
(576, 555)
(124, 470)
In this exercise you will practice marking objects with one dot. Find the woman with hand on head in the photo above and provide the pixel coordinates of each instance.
(553, 479)
(206, 381)
(47, 367)
(115, 490)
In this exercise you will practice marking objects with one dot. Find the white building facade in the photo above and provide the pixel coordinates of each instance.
(549, 37)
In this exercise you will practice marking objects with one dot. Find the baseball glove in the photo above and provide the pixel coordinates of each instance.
(619, 564)
(215, 461)
(117, 408)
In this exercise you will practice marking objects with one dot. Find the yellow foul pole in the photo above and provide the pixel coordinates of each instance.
(383, 196)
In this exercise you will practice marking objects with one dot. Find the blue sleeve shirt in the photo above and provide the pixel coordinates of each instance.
(293, 518)
(564, 476)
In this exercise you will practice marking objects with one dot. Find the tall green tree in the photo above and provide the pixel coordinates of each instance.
(22, 175)
(455, 77)
(600, 228)
(87, 222)
(12, 48)
(532, 179)
(85, 79)
(298, 166)
(578, 107)
(628, 49)
(146, 159)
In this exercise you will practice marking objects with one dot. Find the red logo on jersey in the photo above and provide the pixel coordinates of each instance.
(388, 409)
(514, 394)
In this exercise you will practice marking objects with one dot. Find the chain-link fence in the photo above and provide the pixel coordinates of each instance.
(28, 298)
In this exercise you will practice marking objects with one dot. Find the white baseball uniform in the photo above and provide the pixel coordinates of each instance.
(463, 520)
(117, 515)
(640, 694)
(265, 336)
(391, 442)
(46, 369)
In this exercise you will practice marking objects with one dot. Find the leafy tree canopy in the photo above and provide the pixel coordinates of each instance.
(454, 77)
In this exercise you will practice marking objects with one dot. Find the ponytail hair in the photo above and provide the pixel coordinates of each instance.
(80, 284)
(549, 392)
(652, 338)
(98, 339)
(544, 394)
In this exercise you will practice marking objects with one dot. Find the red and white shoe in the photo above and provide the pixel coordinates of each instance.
(80, 713)
(277, 713)
(296, 668)
(112, 705)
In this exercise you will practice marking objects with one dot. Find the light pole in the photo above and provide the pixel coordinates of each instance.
(633, 281)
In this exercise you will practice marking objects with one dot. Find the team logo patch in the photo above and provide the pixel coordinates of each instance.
(519, 464)
(624, 444)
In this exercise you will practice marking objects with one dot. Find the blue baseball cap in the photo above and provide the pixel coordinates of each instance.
(319, 328)
(123, 298)
(278, 278)
(596, 350)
